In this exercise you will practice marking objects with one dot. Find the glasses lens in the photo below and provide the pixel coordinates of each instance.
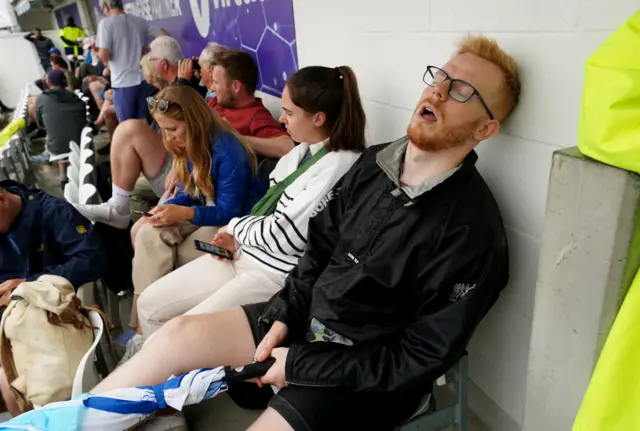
(151, 103)
(461, 91)
(163, 105)
(434, 76)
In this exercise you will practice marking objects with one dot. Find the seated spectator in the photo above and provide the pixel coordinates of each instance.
(41, 234)
(166, 55)
(53, 53)
(205, 61)
(321, 108)
(217, 181)
(234, 77)
(43, 46)
(59, 64)
(137, 148)
(400, 267)
(63, 116)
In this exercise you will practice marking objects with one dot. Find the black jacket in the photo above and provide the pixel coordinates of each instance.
(43, 45)
(407, 284)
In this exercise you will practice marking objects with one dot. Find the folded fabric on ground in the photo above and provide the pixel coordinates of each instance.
(122, 408)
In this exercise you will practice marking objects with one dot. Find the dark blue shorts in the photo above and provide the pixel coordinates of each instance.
(131, 102)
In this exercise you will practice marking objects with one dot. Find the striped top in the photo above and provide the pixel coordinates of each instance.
(278, 240)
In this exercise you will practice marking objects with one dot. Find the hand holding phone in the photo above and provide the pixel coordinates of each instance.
(212, 249)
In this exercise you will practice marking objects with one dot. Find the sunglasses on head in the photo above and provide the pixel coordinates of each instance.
(161, 104)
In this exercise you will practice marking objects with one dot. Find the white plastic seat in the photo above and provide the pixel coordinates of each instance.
(85, 175)
(86, 145)
(73, 174)
(71, 193)
(85, 155)
(87, 376)
(56, 158)
(75, 148)
(74, 159)
(87, 191)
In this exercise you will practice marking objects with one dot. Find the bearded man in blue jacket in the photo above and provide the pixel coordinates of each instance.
(41, 234)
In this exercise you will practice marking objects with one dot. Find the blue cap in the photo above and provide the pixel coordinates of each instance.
(54, 50)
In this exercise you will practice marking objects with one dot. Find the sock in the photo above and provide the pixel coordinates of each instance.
(120, 199)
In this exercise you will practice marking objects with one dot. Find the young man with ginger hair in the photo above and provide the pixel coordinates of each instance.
(400, 267)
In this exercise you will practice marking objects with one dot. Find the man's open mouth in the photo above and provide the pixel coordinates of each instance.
(428, 115)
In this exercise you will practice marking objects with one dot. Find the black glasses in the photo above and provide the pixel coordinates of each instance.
(162, 104)
(459, 90)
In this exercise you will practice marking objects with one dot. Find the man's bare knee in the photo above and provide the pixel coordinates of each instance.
(127, 130)
(270, 420)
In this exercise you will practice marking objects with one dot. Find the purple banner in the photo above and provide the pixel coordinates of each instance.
(263, 28)
(65, 12)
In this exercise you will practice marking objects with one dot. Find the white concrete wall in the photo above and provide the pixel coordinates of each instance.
(19, 64)
(389, 44)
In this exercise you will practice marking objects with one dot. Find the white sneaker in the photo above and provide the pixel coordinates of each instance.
(173, 422)
(105, 213)
(134, 345)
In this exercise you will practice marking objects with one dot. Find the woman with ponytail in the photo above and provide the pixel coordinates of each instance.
(321, 109)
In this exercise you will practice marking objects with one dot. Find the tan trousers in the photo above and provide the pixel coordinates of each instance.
(204, 286)
(160, 250)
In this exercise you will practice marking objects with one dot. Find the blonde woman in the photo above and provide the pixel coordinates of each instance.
(216, 173)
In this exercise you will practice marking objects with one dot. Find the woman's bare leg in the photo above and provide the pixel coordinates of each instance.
(184, 344)
(270, 420)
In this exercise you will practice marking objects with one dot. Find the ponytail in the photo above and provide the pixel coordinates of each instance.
(333, 91)
(348, 130)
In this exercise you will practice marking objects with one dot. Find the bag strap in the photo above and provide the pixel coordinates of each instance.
(278, 189)
(108, 326)
(9, 365)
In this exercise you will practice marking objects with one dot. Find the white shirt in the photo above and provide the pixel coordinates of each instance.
(277, 241)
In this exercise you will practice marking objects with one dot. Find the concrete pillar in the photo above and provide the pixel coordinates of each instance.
(584, 270)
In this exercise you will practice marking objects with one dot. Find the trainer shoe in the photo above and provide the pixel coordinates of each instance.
(105, 213)
(40, 158)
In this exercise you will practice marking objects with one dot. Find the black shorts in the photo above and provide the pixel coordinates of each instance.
(320, 409)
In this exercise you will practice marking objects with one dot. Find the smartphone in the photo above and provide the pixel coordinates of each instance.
(146, 214)
(212, 249)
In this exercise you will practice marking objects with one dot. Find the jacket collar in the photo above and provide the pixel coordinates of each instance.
(22, 228)
(391, 161)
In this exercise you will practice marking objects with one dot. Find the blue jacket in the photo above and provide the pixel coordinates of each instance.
(52, 238)
(236, 188)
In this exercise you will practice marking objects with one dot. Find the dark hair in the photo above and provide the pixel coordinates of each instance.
(239, 66)
(38, 29)
(59, 61)
(333, 91)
